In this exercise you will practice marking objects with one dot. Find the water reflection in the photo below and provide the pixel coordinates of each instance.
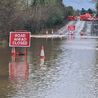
(18, 70)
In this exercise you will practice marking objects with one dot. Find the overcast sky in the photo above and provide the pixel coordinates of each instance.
(79, 4)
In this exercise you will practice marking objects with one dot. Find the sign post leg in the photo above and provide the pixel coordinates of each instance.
(13, 53)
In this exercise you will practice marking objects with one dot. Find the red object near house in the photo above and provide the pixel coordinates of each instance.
(72, 18)
(86, 17)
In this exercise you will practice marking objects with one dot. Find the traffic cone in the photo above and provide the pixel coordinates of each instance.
(42, 54)
(47, 32)
(52, 31)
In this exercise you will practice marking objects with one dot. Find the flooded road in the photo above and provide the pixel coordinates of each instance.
(68, 70)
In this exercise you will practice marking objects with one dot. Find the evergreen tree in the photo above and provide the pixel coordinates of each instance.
(90, 11)
(83, 11)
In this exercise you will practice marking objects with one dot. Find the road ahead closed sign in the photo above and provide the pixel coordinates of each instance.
(19, 39)
(71, 27)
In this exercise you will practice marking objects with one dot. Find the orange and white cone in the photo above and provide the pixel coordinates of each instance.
(42, 56)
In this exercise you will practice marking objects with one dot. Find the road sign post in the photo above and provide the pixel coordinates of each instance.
(20, 39)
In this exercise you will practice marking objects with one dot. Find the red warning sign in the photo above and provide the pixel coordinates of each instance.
(19, 39)
(71, 27)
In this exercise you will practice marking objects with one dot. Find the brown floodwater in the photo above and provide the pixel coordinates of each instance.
(69, 69)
